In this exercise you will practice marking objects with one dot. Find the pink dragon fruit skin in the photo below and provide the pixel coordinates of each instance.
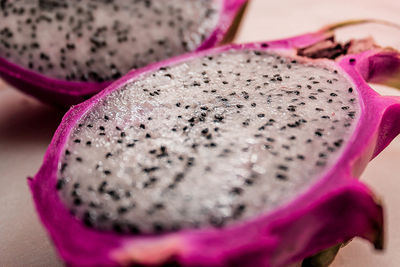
(335, 209)
(66, 93)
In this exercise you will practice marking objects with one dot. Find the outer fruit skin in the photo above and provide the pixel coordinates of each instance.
(64, 93)
(335, 209)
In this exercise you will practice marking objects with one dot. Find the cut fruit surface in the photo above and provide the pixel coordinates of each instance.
(207, 142)
(76, 48)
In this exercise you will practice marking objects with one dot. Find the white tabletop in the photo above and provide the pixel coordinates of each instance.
(26, 127)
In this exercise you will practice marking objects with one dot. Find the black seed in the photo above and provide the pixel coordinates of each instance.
(171, 186)
(267, 147)
(60, 184)
(351, 114)
(331, 149)
(114, 195)
(134, 229)
(70, 46)
(219, 117)
(77, 201)
(236, 191)
(248, 181)
(153, 179)
(75, 193)
(179, 177)
(158, 227)
(338, 143)
(88, 221)
(238, 211)
(102, 187)
(281, 176)
(122, 210)
(283, 167)
(159, 206)
(117, 227)
(301, 157)
(286, 147)
(318, 133)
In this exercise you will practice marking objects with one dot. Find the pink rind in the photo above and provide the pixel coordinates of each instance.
(377, 67)
(263, 241)
(66, 93)
(52, 91)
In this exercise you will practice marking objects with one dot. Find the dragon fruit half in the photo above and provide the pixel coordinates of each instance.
(63, 51)
(242, 155)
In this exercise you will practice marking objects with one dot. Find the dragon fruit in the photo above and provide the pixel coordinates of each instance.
(62, 52)
(242, 155)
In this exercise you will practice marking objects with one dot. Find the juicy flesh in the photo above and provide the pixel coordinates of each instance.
(206, 142)
(98, 40)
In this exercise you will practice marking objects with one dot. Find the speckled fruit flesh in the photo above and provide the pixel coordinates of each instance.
(65, 51)
(243, 155)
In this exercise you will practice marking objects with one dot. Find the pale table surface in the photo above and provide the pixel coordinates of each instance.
(26, 127)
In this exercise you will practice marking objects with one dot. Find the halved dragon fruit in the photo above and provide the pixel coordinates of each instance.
(243, 155)
(62, 51)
